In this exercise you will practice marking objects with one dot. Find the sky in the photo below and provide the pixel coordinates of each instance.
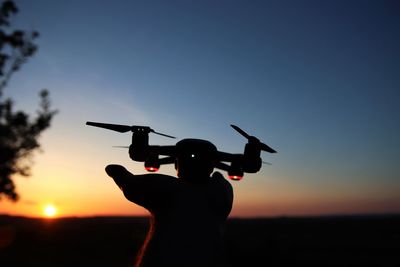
(318, 81)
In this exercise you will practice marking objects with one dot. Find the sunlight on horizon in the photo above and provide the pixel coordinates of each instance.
(50, 211)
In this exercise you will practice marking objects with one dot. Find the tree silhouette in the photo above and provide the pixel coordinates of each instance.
(18, 132)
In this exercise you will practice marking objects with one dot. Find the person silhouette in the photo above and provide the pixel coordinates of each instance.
(187, 213)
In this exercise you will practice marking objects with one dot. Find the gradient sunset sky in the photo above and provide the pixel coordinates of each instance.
(319, 81)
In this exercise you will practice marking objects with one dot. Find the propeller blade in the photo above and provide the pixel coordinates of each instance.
(240, 131)
(121, 146)
(114, 127)
(166, 135)
(253, 140)
(125, 128)
(266, 148)
(268, 163)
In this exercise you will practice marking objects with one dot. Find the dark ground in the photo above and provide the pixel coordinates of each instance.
(114, 241)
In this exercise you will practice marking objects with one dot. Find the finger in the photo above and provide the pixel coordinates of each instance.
(119, 174)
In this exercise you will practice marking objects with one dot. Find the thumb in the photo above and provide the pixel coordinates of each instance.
(119, 174)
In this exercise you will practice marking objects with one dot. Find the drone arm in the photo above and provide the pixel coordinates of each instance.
(227, 157)
(222, 166)
(167, 160)
(164, 150)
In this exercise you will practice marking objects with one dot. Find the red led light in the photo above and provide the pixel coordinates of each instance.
(151, 169)
(235, 177)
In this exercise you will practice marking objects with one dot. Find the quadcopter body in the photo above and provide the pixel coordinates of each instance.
(194, 158)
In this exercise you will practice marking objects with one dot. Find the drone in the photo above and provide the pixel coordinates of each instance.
(154, 156)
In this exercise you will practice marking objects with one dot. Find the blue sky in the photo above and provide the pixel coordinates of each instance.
(316, 80)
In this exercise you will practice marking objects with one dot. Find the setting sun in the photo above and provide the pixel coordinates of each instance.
(50, 211)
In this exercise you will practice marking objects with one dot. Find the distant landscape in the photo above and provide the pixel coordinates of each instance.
(114, 241)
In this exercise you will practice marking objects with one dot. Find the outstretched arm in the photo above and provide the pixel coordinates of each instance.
(187, 217)
(149, 190)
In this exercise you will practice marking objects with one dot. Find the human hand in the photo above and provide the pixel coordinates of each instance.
(157, 192)
(186, 217)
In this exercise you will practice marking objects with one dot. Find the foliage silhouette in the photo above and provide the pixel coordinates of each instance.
(18, 132)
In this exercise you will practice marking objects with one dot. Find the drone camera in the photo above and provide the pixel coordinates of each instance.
(195, 158)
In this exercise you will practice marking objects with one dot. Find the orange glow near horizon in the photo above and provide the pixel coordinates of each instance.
(78, 188)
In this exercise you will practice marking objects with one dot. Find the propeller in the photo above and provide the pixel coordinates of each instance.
(166, 135)
(125, 128)
(253, 139)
